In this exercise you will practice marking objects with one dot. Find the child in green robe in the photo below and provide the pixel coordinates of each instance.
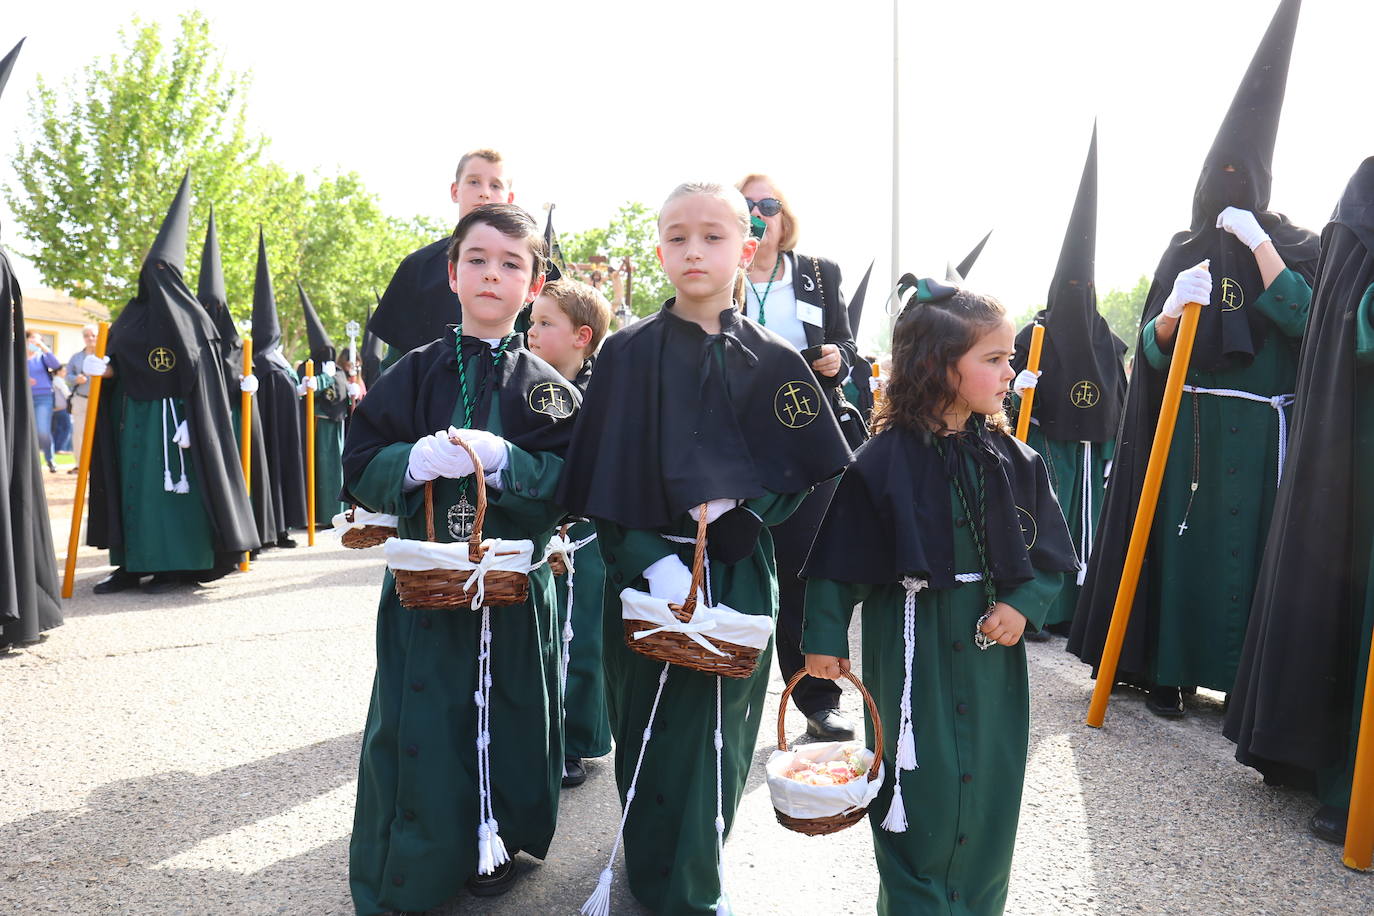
(947, 530)
(567, 324)
(463, 749)
(694, 412)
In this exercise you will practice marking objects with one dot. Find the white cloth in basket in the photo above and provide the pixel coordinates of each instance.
(797, 799)
(363, 518)
(721, 623)
(418, 556)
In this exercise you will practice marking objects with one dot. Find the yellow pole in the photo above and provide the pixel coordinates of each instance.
(1144, 514)
(246, 426)
(1359, 830)
(83, 473)
(310, 456)
(1028, 399)
(877, 392)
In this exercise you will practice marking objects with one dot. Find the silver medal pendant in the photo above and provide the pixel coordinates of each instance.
(981, 639)
(461, 516)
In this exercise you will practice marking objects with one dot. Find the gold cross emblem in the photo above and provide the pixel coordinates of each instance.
(1084, 394)
(161, 359)
(552, 400)
(1232, 296)
(1029, 530)
(796, 404)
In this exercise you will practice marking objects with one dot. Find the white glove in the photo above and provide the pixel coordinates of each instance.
(491, 449)
(714, 509)
(1191, 285)
(182, 436)
(94, 366)
(1025, 381)
(248, 384)
(355, 390)
(311, 383)
(669, 579)
(435, 456)
(327, 370)
(1243, 225)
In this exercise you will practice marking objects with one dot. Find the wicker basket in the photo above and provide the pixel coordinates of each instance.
(558, 563)
(439, 589)
(680, 649)
(366, 536)
(820, 826)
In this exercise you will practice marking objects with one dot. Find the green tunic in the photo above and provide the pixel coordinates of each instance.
(1333, 783)
(414, 840)
(1201, 581)
(971, 713)
(670, 835)
(1064, 461)
(329, 440)
(586, 726)
(163, 532)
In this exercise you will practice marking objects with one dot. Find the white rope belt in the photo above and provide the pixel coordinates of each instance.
(965, 578)
(567, 548)
(1279, 402)
(1085, 528)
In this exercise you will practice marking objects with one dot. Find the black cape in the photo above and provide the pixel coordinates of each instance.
(417, 396)
(1227, 336)
(1082, 385)
(212, 293)
(1292, 702)
(666, 427)
(373, 352)
(418, 303)
(278, 405)
(165, 318)
(892, 515)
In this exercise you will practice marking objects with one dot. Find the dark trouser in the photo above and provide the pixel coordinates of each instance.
(42, 420)
(791, 543)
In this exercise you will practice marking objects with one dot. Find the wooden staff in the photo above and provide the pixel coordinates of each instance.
(1359, 830)
(84, 463)
(1028, 399)
(246, 427)
(877, 392)
(310, 455)
(1144, 513)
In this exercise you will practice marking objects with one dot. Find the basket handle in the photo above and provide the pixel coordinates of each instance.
(352, 511)
(872, 711)
(698, 567)
(475, 540)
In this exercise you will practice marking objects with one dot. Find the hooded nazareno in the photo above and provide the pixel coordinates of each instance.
(277, 401)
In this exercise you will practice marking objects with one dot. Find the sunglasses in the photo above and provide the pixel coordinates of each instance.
(769, 206)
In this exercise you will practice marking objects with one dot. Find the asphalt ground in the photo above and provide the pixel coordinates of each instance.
(196, 752)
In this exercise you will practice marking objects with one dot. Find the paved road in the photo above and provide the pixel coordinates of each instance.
(196, 753)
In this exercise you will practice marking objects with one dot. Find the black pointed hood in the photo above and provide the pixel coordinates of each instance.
(374, 350)
(7, 64)
(1355, 211)
(211, 291)
(555, 254)
(158, 339)
(1082, 384)
(1246, 139)
(267, 354)
(966, 265)
(321, 346)
(856, 304)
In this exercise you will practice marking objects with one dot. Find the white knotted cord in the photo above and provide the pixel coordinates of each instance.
(491, 851)
(1085, 527)
(179, 436)
(722, 903)
(599, 903)
(1279, 402)
(906, 759)
(568, 550)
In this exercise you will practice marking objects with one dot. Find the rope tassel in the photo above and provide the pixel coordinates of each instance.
(895, 822)
(906, 759)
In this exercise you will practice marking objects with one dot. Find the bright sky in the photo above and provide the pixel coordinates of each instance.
(610, 101)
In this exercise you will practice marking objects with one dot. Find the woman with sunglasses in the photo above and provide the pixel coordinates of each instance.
(798, 296)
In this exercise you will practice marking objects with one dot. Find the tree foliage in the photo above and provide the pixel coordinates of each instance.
(631, 233)
(107, 149)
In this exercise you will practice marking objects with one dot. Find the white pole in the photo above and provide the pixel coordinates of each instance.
(896, 166)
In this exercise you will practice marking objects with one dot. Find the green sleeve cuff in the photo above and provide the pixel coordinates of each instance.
(381, 487)
(1364, 329)
(1286, 302)
(1033, 598)
(627, 552)
(528, 482)
(829, 608)
(1149, 345)
(775, 508)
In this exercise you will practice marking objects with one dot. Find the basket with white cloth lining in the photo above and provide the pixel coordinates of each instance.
(360, 529)
(694, 634)
(473, 573)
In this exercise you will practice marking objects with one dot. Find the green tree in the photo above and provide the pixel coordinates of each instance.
(631, 233)
(1122, 309)
(109, 149)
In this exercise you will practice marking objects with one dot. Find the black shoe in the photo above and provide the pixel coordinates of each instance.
(116, 581)
(1166, 702)
(162, 582)
(285, 541)
(496, 883)
(574, 772)
(1328, 823)
(1040, 635)
(52, 468)
(73, 470)
(213, 573)
(829, 725)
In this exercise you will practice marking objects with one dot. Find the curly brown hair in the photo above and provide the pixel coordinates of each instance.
(927, 343)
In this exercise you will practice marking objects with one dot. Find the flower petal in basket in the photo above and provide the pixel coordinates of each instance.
(797, 799)
(499, 554)
(721, 623)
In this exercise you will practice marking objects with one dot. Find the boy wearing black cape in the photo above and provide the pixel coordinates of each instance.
(167, 490)
(1295, 710)
(1252, 270)
(419, 829)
